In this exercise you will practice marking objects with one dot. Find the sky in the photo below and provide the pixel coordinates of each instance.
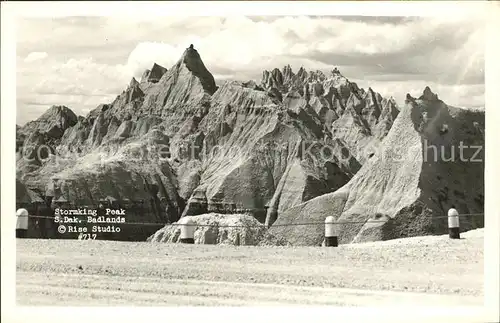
(81, 62)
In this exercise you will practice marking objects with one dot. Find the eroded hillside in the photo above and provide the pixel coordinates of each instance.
(175, 144)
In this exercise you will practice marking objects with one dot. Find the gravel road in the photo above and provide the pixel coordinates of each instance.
(430, 270)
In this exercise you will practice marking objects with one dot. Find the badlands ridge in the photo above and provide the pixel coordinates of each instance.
(294, 148)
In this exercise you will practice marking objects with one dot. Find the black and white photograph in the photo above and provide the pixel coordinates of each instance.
(249, 160)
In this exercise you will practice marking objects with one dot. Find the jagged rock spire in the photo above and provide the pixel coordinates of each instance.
(133, 82)
(134, 93)
(192, 60)
(428, 95)
(409, 98)
(156, 73)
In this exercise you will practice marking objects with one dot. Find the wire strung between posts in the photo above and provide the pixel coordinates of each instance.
(251, 225)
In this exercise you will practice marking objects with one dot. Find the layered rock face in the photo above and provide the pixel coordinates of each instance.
(47, 130)
(226, 229)
(175, 144)
(269, 147)
(406, 188)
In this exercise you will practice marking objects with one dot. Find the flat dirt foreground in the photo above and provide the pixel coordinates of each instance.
(428, 271)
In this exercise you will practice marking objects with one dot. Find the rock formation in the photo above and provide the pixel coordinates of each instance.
(407, 187)
(228, 229)
(175, 144)
(52, 124)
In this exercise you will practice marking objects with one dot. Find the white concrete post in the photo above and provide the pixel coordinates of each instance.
(187, 230)
(331, 232)
(453, 224)
(21, 223)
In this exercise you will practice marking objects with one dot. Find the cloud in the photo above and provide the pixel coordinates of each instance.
(93, 58)
(80, 84)
(464, 95)
(448, 50)
(145, 54)
(35, 56)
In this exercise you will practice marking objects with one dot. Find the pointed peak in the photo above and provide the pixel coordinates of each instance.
(409, 98)
(58, 112)
(190, 52)
(134, 92)
(191, 59)
(428, 95)
(58, 108)
(287, 71)
(317, 74)
(157, 66)
(339, 77)
(145, 75)
(156, 72)
(133, 82)
(336, 73)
